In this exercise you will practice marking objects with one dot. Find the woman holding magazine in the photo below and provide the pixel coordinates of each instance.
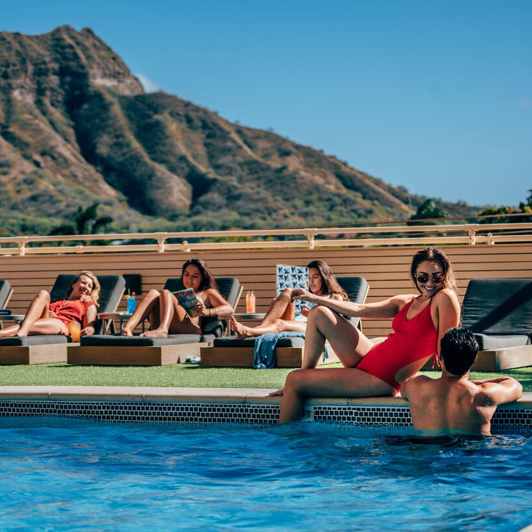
(165, 314)
(281, 315)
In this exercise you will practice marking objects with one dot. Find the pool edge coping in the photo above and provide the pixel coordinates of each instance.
(194, 395)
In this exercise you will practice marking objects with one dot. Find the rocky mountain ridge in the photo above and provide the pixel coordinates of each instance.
(76, 127)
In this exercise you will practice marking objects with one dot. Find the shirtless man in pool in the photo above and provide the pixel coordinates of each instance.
(453, 404)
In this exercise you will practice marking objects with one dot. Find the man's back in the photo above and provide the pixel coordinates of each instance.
(453, 404)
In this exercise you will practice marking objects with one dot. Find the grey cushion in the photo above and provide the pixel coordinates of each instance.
(5, 289)
(110, 340)
(35, 340)
(498, 306)
(500, 342)
(231, 341)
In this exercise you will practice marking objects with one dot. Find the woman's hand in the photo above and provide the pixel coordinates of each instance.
(305, 309)
(52, 314)
(88, 331)
(200, 309)
(300, 293)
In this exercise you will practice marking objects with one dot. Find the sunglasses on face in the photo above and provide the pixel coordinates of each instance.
(424, 277)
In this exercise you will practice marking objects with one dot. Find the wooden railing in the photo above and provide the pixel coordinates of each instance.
(313, 238)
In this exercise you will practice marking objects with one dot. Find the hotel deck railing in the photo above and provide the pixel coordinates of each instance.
(312, 238)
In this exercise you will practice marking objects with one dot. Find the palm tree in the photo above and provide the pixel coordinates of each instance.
(87, 222)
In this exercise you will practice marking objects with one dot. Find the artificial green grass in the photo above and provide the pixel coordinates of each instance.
(180, 375)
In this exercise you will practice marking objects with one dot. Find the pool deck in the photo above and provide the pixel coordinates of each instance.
(240, 396)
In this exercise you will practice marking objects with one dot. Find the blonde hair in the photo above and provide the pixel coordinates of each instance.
(95, 292)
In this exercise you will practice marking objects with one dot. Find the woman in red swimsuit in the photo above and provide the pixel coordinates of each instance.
(45, 317)
(419, 323)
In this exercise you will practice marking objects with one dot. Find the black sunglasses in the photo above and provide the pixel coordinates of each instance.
(424, 277)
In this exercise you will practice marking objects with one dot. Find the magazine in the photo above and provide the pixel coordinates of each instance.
(187, 299)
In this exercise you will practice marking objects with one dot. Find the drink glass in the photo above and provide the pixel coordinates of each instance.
(75, 330)
(131, 304)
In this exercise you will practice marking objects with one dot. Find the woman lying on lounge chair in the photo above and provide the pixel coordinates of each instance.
(45, 317)
(165, 314)
(281, 314)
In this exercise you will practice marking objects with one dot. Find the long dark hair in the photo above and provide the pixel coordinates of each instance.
(329, 283)
(207, 279)
(434, 255)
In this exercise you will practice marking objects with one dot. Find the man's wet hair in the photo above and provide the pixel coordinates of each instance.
(458, 350)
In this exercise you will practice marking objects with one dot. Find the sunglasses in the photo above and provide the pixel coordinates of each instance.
(424, 277)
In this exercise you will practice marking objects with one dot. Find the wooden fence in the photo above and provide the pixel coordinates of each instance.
(385, 267)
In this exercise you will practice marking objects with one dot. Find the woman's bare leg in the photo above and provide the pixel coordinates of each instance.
(173, 318)
(37, 320)
(38, 309)
(49, 326)
(347, 342)
(333, 382)
(148, 308)
(9, 331)
(276, 326)
(281, 308)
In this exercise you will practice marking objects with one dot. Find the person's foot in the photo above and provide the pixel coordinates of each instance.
(156, 333)
(7, 334)
(240, 330)
(277, 392)
(126, 332)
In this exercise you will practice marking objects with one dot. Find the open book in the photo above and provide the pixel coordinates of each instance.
(187, 299)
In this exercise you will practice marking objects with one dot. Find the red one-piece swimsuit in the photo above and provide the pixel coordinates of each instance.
(411, 340)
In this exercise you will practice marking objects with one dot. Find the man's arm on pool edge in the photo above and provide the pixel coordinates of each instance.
(501, 390)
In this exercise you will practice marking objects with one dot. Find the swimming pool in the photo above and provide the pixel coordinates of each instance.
(75, 474)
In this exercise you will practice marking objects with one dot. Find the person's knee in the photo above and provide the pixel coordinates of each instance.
(43, 294)
(320, 314)
(286, 294)
(278, 325)
(153, 293)
(294, 381)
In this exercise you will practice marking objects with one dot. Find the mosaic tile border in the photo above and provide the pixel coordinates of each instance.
(400, 416)
(209, 412)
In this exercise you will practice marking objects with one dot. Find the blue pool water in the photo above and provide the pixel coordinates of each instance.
(65, 474)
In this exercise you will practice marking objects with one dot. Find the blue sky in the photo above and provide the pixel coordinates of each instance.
(434, 96)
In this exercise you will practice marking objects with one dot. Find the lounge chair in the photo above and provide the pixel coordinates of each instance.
(117, 350)
(230, 352)
(499, 312)
(5, 294)
(41, 349)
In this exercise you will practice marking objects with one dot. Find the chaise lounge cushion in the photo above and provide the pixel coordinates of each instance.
(231, 341)
(110, 340)
(492, 342)
(498, 307)
(34, 340)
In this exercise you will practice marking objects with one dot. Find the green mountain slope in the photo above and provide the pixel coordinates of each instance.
(76, 127)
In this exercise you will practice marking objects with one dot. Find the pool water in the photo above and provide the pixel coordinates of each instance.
(68, 474)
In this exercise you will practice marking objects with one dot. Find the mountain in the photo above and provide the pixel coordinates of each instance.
(76, 127)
